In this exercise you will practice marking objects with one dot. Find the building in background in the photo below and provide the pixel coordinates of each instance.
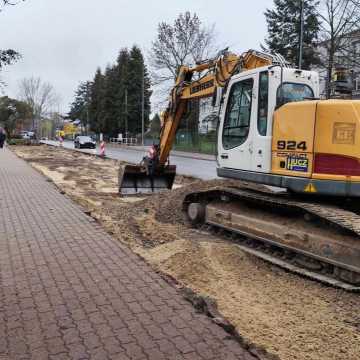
(208, 116)
(345, 81)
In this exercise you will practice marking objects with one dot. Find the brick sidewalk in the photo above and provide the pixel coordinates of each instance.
(69, 291)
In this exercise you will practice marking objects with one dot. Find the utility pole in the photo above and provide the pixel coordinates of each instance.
(301, 42)
(87, 119)
(87, 126)
(126, 114)
(143, 105)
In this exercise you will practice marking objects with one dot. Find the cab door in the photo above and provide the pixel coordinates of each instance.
(235, 144)
(262, 126)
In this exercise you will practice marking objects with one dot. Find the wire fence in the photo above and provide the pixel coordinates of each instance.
(187, 141)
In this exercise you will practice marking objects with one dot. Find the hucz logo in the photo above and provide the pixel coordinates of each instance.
(297, 163)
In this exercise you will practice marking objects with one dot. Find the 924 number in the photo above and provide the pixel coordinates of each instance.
(291, 145)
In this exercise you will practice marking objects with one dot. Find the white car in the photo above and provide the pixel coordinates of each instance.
(28, 135)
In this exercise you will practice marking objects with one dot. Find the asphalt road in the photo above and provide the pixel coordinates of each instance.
(199, 168)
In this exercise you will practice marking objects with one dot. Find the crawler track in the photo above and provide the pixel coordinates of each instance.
(330, 255)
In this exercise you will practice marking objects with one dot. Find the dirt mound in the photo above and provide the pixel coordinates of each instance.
(168, 204)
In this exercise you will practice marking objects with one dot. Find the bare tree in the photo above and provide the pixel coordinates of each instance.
(40, 96)
(8, 2)
(185, 42)
(339, 20)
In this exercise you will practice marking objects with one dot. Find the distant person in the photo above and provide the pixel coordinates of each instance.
(2, 137)
(151, 160)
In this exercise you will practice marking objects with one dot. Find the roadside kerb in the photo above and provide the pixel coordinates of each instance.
(183, 154)
(197, 156)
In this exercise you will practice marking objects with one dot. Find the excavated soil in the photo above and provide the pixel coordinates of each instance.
(288, 315)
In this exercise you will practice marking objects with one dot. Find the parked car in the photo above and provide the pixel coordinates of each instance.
(84, 142)
(28, 135)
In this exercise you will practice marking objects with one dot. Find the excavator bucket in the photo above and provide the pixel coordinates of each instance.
(133, 179)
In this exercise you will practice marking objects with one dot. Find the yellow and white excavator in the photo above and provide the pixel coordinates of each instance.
(273, 130)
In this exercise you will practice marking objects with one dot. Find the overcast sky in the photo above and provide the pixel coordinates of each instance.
(64, 42)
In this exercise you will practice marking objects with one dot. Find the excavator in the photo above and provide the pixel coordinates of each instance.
(273, 132)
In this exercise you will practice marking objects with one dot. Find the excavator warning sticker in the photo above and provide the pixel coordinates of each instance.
(310, 188)
(295, 162)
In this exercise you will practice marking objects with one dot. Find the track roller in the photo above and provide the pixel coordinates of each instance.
(196, 213)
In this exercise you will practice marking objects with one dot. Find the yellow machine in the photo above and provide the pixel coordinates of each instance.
(273, 130)
(60, 133)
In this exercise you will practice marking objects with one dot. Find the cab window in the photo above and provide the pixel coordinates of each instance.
(290, 92)
(263, 103)
(238, 112)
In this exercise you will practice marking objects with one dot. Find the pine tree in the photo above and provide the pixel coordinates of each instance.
(122, 92)
(284, 30)
(96, 108)
(138, 78)
(115, 98)
(115, 94)
(111, 102)
(79, 109)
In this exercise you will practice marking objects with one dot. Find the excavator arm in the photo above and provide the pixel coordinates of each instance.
(195, 82)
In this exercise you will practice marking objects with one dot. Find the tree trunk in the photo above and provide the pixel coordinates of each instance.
(330, 68)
